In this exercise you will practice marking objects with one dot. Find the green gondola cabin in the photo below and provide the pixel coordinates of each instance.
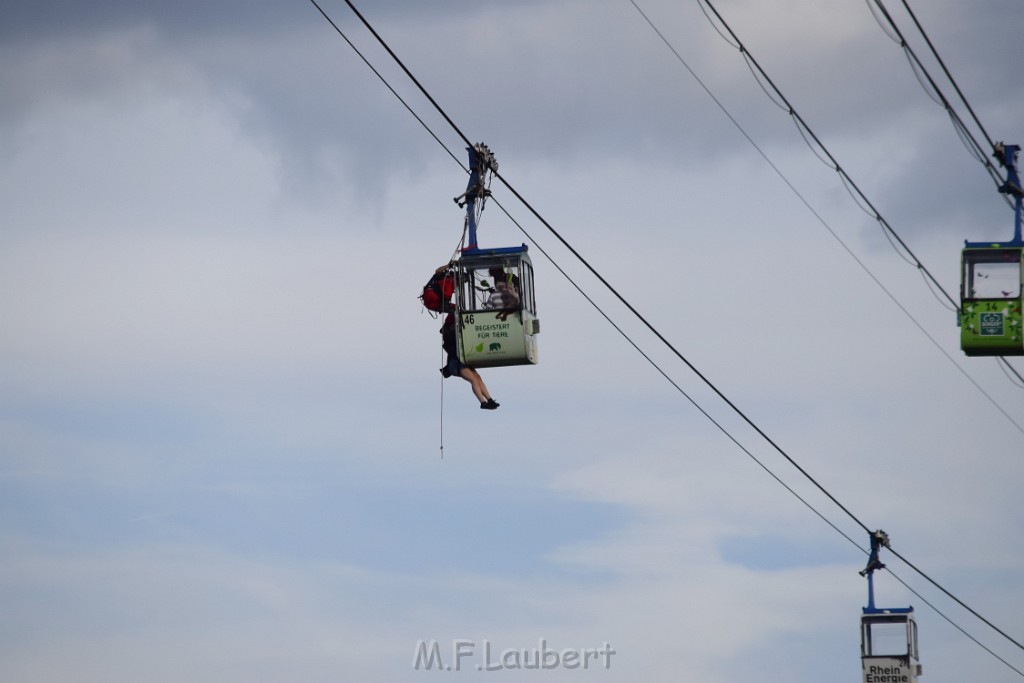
(992, 281)
(990, 311)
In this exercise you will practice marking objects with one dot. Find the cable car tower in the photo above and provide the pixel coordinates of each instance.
(888, 636)
(497, 308)
(991, 280)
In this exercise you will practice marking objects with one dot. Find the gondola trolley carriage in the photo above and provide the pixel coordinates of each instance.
(888, 636)
(991, 280)
(496, 301)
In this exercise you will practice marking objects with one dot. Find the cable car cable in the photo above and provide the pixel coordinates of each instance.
(644, 320)
(768, 439)
(847, 180)
(796, 115)
(574, 284)
(931, 87)
(961, 129)
(916, 63)
(640, 316)
(1004, 188)
(671, 381)
(933, 91)
(956, 599)
(733, 40)
(952, 623)
(750, 60)
(431, 133)
(386, 84)
(593, 271)
(677, 353)
(952, 80)
(408, 73)
(562, 271)
(1007, 370)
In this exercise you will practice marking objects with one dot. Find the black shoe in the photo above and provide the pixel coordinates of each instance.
(491, 404)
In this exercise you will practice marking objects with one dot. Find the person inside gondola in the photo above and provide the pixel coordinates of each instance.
(505, 294)
(454, 368)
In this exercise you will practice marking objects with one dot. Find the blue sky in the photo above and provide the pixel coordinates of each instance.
(221, 417)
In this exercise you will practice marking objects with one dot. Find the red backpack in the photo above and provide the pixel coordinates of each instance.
(437, 293)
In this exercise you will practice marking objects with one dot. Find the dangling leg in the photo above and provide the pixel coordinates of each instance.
(477, 382)
(479, 388)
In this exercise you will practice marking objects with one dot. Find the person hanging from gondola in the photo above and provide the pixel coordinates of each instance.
(454, 368)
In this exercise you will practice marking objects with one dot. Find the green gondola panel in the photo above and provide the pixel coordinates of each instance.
(990, 311)
(992, 280)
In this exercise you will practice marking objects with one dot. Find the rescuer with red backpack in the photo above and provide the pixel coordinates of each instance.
(436, 296)
(437, 293)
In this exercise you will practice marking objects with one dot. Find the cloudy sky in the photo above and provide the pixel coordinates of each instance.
(221, 417)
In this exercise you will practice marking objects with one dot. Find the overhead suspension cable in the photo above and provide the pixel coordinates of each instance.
(603, 281)
(957, 600)
(636, 313)
(593, 303)
(734, 40)
(851, 185)
(973, 146)
(801, 127)
(952, 80)
(762, 74)
(952, 623)
(383, 80)
(596, 274)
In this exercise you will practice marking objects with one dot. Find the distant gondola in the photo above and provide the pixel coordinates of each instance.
(992, 273)
(888, 635)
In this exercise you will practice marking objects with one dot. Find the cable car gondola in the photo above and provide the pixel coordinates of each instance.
(888, 636)
(496, 304)
(992, 274)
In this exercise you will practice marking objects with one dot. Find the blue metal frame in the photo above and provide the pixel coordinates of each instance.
(1007, 156)
(480, 161)
(494, 251)
(878, 539)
